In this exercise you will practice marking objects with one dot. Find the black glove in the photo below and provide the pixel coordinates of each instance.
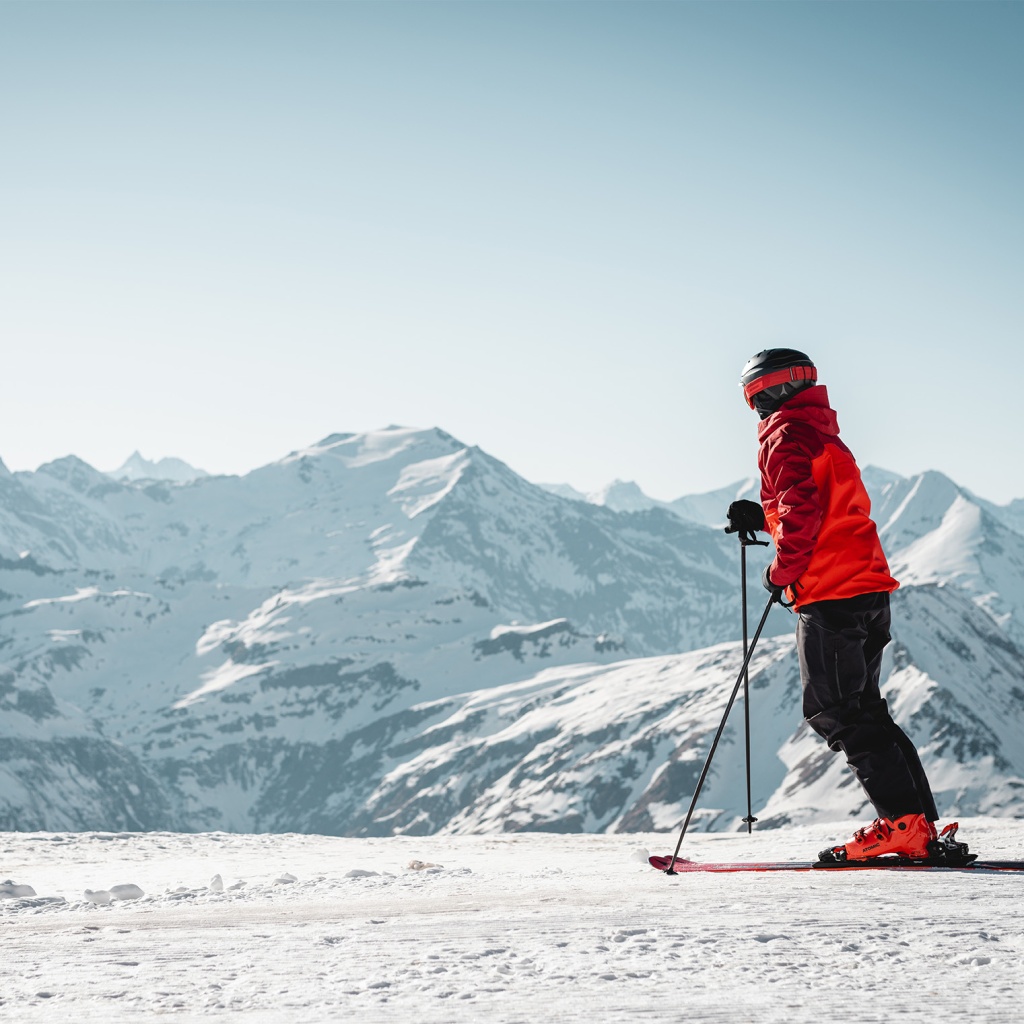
(766, 582)
(745, 518)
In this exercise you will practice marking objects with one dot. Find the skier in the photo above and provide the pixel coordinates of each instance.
(829, 567)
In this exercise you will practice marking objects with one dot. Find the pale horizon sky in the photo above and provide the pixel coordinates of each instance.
(554, 230)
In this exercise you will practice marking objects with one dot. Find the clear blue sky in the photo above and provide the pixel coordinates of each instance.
(555, 230)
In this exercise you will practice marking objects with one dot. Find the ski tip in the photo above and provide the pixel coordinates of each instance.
(662, 863)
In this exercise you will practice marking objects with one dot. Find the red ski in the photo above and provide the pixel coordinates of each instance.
(944, 854)
(889, 863)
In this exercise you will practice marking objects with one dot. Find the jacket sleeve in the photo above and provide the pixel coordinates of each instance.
(795, 506)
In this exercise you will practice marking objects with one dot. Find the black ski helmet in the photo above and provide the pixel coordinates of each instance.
(775, 375)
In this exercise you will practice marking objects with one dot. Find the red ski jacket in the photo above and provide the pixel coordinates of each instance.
(816, 507)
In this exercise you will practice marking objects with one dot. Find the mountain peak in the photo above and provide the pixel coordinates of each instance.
(623, 496)
(76, 473)
(357, 450)
(710, 507)
(137, 467)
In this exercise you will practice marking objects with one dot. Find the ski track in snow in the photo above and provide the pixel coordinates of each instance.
(521, 927)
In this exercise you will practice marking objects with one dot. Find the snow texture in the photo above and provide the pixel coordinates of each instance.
(515, 928)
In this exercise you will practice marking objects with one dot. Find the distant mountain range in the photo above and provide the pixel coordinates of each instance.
(137, 468)
(394, 632)
(708, 508)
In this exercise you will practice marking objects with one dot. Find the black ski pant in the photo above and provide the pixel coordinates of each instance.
(840, 647)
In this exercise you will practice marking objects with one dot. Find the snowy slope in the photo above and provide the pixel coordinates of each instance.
(503, 929)
(619, 748)
(56, 764)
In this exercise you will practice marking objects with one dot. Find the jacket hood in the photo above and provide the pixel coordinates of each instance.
(809, 406)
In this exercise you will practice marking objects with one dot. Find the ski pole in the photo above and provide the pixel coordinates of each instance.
(744, 542)
(718, 735)
(746, 538)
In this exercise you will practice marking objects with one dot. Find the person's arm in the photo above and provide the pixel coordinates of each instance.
(796, 509)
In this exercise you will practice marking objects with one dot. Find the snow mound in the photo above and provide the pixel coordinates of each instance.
(11, 890)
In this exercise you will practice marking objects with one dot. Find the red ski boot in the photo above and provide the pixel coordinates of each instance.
(907, 836)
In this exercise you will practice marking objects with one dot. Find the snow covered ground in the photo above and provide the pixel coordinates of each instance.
(523, 927)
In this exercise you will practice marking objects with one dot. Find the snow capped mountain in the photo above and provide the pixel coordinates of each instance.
(935, 531)
(624, 496)
(564, 491)
(619, 495)
(137, 468)
(708, 508)
(394, 632)
(221, 628)
(1011, 515)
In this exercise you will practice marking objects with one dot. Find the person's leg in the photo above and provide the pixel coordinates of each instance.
(840, 649)
(877, 624)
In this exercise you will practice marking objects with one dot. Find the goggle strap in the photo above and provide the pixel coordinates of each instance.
(786, 376)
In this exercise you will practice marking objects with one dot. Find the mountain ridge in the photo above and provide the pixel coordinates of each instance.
(296, 647)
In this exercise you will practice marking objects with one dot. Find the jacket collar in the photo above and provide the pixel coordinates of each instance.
(809, 406)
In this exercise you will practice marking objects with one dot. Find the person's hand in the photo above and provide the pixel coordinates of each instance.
(773, 589)
(745, 518)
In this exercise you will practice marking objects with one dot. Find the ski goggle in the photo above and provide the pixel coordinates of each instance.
(769, 380)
